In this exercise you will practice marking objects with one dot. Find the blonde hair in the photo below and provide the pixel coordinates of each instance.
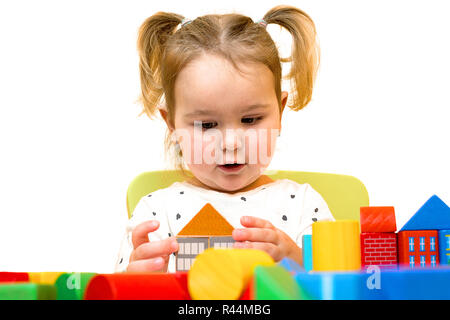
(164, 50)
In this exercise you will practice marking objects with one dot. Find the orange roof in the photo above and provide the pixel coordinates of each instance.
(207, 222)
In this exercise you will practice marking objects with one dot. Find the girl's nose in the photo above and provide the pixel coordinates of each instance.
(232, 140)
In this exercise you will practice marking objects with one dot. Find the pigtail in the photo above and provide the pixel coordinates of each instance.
(305, 54)
(152, 37)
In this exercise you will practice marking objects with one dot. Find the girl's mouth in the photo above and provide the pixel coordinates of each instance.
(231, 167)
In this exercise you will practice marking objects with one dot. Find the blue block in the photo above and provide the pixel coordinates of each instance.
(423, 284)
(291, 266)
(332, 286)
(444, 247)
(307, 252)
(433, 215)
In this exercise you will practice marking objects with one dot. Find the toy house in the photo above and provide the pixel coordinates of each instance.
(418, 240)
(444, 247)
(378, 237)
(207, 229)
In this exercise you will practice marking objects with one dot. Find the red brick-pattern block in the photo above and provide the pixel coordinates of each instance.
(380, 249)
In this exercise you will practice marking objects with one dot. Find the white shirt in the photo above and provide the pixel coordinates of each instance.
(288, 205)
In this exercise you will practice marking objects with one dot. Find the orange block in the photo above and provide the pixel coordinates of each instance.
(207, 222)
(377, 219)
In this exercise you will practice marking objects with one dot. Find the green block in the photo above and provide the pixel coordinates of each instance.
(276, 283)
(27, 291)
(71, 286)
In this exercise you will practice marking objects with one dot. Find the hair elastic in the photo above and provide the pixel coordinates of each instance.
(185, 21)
(262, 23)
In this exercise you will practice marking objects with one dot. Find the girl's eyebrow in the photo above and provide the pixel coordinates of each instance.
(201, 112)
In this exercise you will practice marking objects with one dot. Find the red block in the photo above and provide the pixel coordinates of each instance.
(14, 277)
(418, 248)
(138, 286)
(249, 292)
(379, 248)
(377, 219)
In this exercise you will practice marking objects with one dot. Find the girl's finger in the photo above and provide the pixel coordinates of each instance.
(155, 249)
(140, 233)
(148, 265)
(256, 235)
(270, 248)
(254, 222)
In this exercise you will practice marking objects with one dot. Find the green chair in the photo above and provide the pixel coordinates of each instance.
(344, 194)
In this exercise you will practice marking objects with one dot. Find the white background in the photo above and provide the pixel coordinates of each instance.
(71, 139)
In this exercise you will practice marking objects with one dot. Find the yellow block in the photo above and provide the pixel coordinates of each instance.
(44, 277)
(224, 273)
(336, 246)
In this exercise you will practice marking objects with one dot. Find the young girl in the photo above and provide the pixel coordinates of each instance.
(216, 82)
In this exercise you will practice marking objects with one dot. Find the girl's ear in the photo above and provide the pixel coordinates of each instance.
(284, 98)
(164, 115)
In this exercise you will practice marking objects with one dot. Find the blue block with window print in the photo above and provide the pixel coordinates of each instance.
(433, 215)
(444, 247)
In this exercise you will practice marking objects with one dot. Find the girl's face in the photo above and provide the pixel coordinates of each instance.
(223, 116)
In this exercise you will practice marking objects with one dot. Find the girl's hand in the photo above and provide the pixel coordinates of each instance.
(261, 234)
(150, 256)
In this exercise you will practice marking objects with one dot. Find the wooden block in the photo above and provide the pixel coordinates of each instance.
(276, 283)
(27, 291)
(138, 286)
(336, 245)
(72, 286)
(307, 252)
(224, 273)
(377, 219)
(44, 277)
(380, 249)
(418, 248)
(13, 277)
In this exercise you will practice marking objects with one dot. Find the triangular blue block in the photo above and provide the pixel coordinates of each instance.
(433, 215)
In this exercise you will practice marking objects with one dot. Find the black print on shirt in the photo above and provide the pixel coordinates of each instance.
(243, 198)
(178, 216)
(284, 218)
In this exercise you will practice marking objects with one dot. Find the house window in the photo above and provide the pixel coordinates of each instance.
(411, 244)
(411, 261)
(422, 244)
(447, 242)
(221, 242)
(180, 264)
(422, 261)
(187, 263)
(432, 243)
(433, 260)
(189, 248)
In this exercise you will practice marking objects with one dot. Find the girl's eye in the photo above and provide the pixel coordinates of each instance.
(208, 125)
(250, 120)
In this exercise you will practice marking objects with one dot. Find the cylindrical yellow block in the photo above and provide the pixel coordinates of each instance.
(336, 246)
(224, 273)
